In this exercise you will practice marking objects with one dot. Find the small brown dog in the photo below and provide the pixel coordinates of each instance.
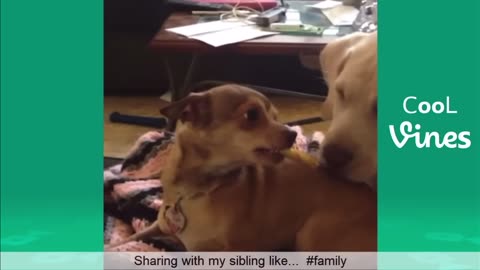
(227, 187)
(349, 65)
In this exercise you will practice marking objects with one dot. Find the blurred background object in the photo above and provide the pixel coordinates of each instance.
(368, 17)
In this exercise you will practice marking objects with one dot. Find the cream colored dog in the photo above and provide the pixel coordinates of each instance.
(227, 187)
(349, 65)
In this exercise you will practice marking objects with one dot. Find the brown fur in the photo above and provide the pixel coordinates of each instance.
(236, 199)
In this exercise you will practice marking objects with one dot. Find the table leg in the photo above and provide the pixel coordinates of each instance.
(180, 83)
(180, 80)
(189, 76)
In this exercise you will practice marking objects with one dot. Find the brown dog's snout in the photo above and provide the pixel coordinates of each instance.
(336, 156)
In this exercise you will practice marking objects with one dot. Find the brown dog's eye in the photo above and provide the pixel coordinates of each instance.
(375, 107)
(252, 115)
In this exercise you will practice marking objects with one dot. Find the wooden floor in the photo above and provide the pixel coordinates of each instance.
(118, 138)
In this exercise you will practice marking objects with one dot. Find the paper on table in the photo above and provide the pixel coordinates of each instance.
(233, 35)
(293, 16)
(202, 28)
(220, 33)
(341, 15)
(332, 31)
(327, 4)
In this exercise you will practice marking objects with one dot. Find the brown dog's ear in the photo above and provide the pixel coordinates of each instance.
(332, 61)
(195, 108)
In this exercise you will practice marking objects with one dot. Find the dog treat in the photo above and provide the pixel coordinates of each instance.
(301, 156)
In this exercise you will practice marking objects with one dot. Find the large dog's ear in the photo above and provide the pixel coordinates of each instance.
(195, 109)
(332, 61)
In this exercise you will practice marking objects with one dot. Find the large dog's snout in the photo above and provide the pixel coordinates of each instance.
(336, 156)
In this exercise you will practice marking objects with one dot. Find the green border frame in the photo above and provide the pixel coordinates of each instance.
(429, 199)
(51, 125)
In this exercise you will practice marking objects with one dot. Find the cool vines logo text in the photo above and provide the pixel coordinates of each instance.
(408, 132)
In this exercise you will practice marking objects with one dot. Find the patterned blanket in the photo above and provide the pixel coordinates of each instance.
(133, 189)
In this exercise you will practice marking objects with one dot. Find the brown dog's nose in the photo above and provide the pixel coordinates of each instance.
(336, 156)
(291, 137)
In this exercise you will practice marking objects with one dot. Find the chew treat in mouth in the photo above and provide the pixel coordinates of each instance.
(301, 156)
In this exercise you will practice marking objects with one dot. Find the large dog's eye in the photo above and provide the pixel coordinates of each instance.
(252, 114)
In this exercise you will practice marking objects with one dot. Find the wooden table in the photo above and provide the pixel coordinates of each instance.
(277, 44)
(168, 43)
